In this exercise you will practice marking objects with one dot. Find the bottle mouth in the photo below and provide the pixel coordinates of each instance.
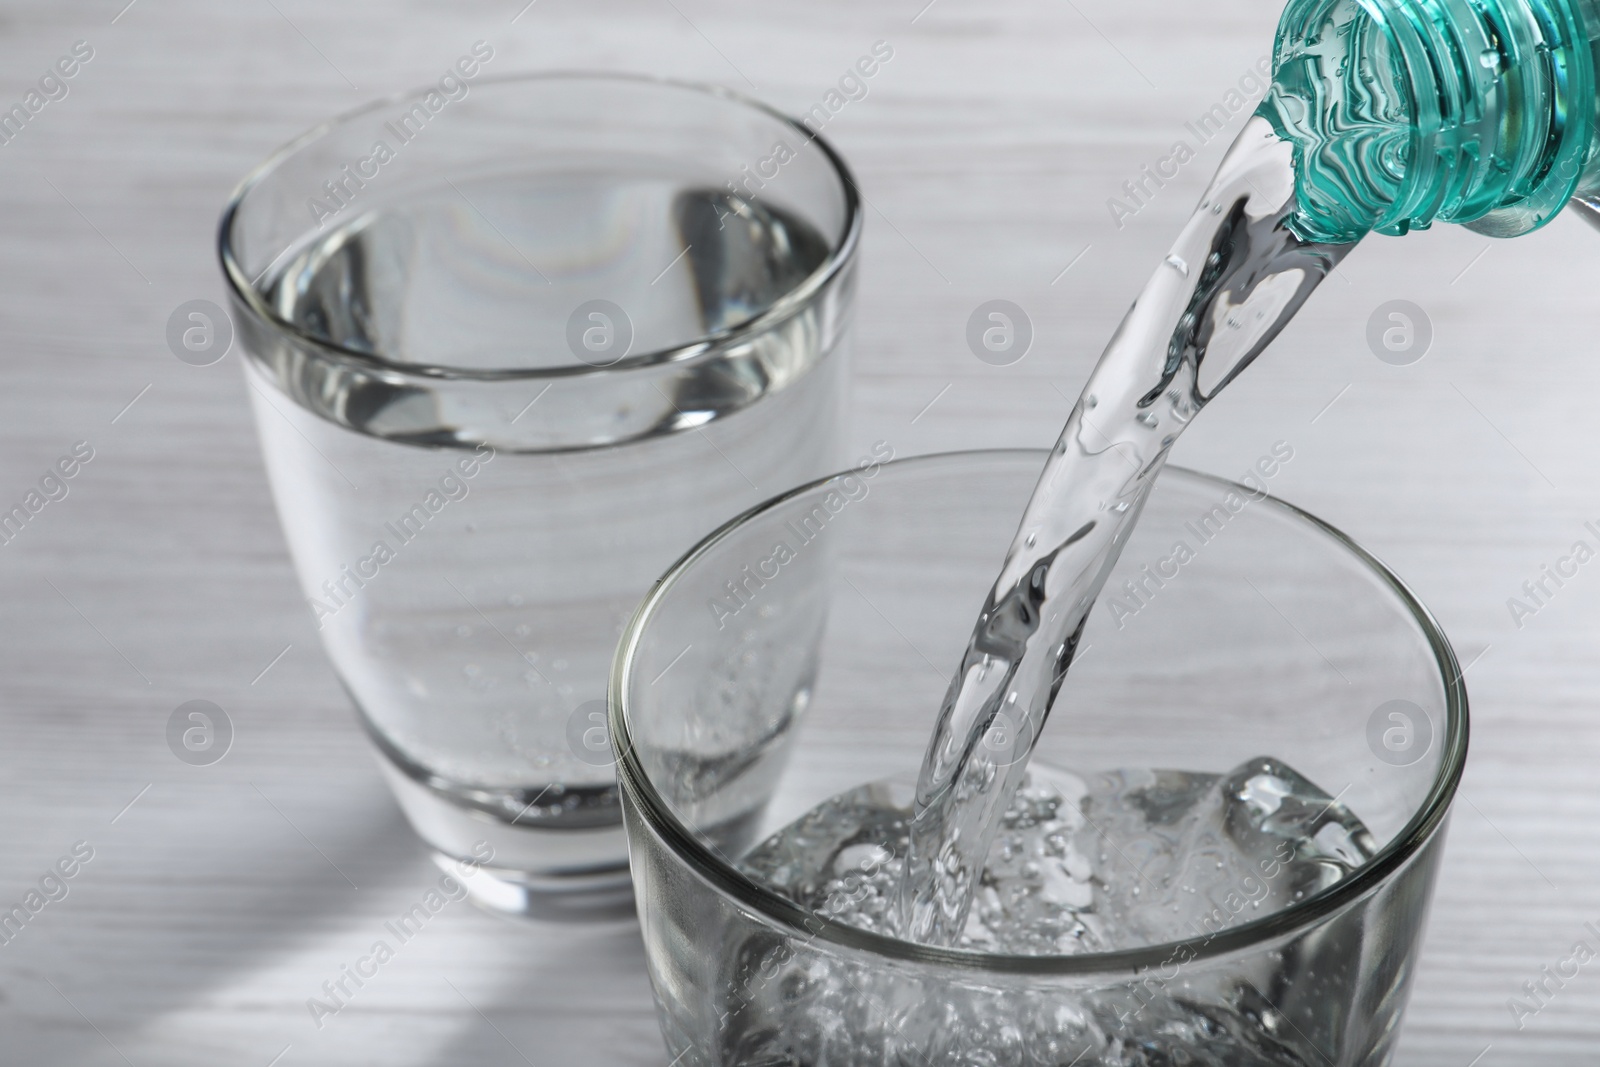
(1407, 112)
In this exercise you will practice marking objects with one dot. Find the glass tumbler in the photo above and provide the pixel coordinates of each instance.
(513, 345)
(1270, 635)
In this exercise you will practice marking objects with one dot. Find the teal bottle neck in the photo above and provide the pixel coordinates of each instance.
(1407, 112)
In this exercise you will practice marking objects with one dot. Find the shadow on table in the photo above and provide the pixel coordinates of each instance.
(194, 905)
(587, 1003)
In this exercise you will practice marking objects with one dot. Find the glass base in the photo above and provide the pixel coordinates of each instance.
(603, 896)
(564, 874)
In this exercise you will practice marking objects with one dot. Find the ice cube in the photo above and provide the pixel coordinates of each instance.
(1179, 855)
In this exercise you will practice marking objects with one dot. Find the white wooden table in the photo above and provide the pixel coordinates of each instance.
(219, 898)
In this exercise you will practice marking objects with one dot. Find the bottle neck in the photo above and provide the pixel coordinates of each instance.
(1407, 112)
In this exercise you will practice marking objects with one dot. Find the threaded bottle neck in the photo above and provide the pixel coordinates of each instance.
(1404, 112)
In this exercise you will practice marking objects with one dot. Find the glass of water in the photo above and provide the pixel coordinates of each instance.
(1225, 849)
(512, 348)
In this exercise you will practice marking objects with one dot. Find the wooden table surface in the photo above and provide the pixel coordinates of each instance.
(218, 899)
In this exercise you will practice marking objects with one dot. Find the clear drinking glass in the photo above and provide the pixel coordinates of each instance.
(1274, 635)
(514, 345)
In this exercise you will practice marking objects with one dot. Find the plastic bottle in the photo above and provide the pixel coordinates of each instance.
(1407, 112)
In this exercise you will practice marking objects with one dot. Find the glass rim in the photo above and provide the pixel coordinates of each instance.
(242, 288)
(720, 872)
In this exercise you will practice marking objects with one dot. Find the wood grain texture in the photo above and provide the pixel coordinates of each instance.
(224, 896)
